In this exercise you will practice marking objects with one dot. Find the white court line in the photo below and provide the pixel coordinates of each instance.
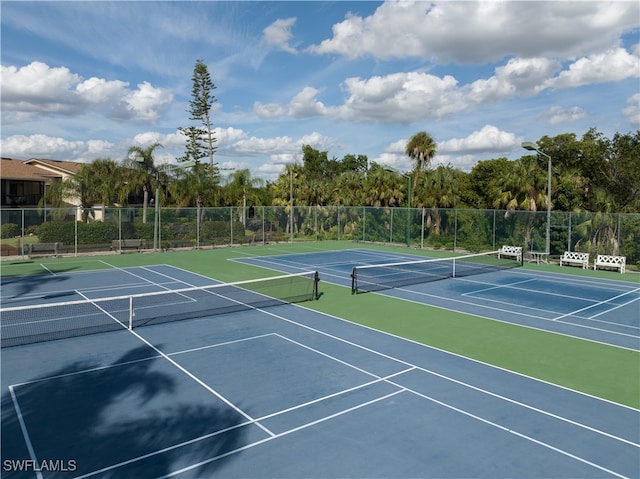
(190, 374)
(403, 389)
(538, 309)
(248, 423)
(516, 313)
(47, 269)
(516, 433)
(613, 309)
(507, 399)
(597, 304)
(494, 286)
(25, 433)
(257, 443)
(526, 290)
(386, 379)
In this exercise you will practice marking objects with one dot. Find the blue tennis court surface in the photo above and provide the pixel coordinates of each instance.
(605, 311)
(290, 392)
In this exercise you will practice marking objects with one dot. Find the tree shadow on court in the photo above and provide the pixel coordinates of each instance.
(128, 415)
(21, 285)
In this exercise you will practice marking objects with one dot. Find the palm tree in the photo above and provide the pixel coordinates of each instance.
(142, 172)
(107, 182)
(384, 187)
(421, 149)
(348, 189)
(242, 185)
(80, 186)
(438, 189)
(525, 188)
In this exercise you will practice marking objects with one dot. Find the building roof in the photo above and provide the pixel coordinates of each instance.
(68, 167)
(36, 169)
(17, 170)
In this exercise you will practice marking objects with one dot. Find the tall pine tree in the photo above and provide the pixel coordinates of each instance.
(201, 138)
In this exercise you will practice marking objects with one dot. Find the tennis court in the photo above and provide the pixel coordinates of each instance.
(606, 311)
(283, 389)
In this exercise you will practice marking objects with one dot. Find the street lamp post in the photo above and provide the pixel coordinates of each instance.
(529, 145)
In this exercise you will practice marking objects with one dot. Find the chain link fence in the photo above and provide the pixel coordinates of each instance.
(96, 230)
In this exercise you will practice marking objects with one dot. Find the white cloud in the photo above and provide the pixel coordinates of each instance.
(38, 88)
(100, 91)
(460, 153)
(557, 115)
(305, 105)
(518, 77)
(477, 32)
(278, 34)
(44, 146)
(144, 104)
(397, 161)
(407, 97)
(269, 110)
(401, 98)
(229, 135)
(632, 111)
(610, 66)
(262, 146)
(489, 139)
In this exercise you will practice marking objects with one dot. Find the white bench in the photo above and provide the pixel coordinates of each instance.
(575, 258)
(609, 262)
(511, 251)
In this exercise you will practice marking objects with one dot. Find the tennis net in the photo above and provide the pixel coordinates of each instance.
(377, 277)
(47, 322)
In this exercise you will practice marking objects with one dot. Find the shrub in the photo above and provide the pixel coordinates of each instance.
(9, 230)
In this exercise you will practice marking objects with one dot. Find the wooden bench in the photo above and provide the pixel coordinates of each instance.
(610, 262)
(127, 244)
(44, 249)
(575, 258)
(511, 251)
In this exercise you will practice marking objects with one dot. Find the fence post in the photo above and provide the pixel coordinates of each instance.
(422, 231)
(22, 245)
(455, 229)
(364, 222)
(76, 230)
(494, 230)
(120, 225)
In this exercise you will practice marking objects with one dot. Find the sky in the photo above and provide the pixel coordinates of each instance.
(82, 80)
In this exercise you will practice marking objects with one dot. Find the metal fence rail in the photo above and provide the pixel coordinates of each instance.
(87, 230)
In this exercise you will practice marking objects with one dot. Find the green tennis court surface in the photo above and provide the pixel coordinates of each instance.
(303, 389)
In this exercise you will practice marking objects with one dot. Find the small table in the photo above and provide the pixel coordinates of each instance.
(537, 256)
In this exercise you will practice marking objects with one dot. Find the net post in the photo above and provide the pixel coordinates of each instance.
(354, 281)
(453, 270)
(316, 280)
(131, 313)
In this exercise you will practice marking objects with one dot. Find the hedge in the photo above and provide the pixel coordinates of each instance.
(97, 232)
